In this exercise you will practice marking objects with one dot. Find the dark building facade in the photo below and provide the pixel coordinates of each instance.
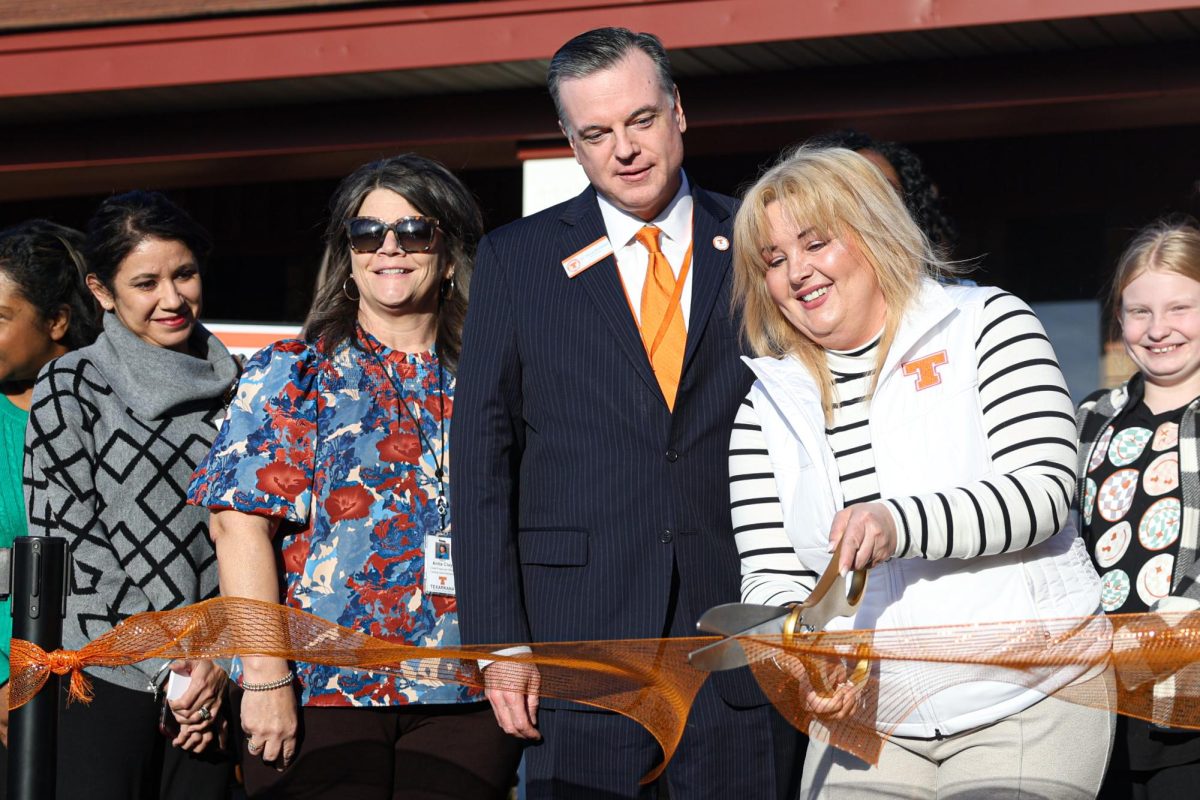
(1051, 132)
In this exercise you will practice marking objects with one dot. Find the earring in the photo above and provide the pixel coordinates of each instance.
(346, 291)
(448, 287)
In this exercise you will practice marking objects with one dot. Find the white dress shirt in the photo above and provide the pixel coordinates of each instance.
(675, 222)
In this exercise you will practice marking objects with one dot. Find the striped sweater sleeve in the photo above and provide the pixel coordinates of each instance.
(1027, 415)
(772, 573)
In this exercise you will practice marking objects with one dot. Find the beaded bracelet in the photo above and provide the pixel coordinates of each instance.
(278, 683)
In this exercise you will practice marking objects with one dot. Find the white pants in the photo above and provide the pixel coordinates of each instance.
(1053, 750)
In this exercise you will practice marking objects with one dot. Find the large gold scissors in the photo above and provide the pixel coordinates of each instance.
(835, 595)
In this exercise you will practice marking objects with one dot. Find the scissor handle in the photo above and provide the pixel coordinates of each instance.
(858, 585)
(819, 604)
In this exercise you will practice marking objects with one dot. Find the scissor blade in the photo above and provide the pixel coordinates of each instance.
(722, 655)
(737, 619)
(728, 652)
(834, 595)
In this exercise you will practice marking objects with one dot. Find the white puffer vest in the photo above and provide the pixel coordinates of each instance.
(924, 442)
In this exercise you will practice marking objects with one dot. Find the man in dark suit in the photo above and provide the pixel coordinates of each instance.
(598, 384)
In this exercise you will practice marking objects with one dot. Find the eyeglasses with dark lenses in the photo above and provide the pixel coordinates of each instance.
(413, 234)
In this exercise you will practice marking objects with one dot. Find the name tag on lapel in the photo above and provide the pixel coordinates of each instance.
(579, 261)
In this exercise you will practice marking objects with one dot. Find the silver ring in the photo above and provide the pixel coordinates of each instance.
(252, 747)
(205, 714)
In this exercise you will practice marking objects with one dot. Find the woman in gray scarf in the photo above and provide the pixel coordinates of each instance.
(115, 431)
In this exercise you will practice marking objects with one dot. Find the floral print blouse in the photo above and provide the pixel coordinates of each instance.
(321, 443)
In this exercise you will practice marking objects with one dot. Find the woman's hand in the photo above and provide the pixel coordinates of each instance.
(863, 535)
(198, 709)
(247, 567)
(4, 713)
(838, 705)
(270, 721)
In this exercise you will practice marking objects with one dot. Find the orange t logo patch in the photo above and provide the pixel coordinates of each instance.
(926, 369)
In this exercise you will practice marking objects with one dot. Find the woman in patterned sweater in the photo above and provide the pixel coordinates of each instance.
(1139, 487)
(115, 431)
(333, 464)
(922, 432)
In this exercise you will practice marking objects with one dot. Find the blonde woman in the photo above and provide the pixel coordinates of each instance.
(922, 432)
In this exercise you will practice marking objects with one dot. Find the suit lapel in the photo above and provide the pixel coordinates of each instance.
(709, 265)
(602, 282)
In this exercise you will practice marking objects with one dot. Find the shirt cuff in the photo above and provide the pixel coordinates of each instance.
(519, 650)
(903, 540)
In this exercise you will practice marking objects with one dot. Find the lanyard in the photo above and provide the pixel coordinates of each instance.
(676, 296)
(439, 455)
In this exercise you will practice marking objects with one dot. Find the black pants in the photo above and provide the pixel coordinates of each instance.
(1168, 783)
(725, 752)
(587, 755)
(110, 749)
(1178, 751)
(433, 752)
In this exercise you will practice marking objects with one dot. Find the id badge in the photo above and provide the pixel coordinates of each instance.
(439, 571)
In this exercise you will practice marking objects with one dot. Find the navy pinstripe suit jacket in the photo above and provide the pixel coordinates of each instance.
(575, 489)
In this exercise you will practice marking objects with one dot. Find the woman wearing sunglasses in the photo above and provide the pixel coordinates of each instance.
(333, 463)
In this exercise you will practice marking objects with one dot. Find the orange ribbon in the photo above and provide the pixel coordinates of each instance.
(1141, 665)
(31, 667)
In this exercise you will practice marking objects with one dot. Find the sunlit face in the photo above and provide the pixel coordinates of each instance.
(27, 341)
(626, 133)
(155, 292)
(823, 286)
(1160, 324)
(391, 282)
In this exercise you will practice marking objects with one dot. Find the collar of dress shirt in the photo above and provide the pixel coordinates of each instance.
(675, 221)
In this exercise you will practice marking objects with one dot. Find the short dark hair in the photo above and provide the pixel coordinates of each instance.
(43, 260)
(124, 221)
(598, 50)
(432, 190)
(844, 137)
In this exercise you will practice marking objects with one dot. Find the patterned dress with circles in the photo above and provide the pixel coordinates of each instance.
(1131, 508)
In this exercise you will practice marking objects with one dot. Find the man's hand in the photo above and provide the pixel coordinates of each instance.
(863, 535)
(512, 688)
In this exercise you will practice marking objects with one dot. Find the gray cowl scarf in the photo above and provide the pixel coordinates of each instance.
(115, 431)
(154, 380)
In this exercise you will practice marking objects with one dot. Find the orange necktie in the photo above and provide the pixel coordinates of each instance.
(663, 332)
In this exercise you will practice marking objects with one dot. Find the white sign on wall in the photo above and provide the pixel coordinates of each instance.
(548, 181)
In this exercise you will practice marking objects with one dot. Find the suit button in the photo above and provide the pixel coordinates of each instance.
(672, 456)
(666, 536)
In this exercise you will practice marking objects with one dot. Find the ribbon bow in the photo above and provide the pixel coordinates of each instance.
(31, 667)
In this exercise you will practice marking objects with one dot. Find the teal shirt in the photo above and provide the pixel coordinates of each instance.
(12, 502)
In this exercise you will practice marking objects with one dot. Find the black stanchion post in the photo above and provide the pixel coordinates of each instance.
(39, 604)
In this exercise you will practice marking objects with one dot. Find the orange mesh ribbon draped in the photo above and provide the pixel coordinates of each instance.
(1142, 665)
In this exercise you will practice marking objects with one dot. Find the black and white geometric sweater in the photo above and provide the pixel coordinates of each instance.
(115, 431)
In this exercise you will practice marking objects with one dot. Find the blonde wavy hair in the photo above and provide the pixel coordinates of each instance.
(836, 193)
(1166, 245)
